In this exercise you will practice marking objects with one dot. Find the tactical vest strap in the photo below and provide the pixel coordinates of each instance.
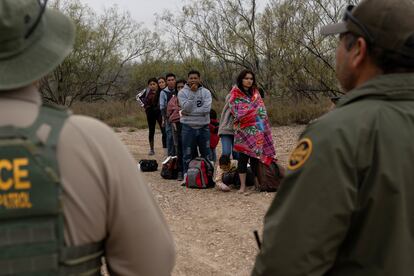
(8, 132)
(52, 119)
(82, 260)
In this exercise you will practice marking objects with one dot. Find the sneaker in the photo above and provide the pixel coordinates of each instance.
(151, 152)
(180, 176)
(183, 184)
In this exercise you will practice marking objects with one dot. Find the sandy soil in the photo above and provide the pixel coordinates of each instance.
(213, 231)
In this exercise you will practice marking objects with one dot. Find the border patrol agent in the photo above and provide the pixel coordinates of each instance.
(346, 206)
(69, 189)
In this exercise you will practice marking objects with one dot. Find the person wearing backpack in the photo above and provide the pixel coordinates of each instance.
(173, 117)
(70, 191)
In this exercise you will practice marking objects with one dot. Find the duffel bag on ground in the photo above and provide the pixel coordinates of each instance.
(148, 165)
(269, 177)
(200, 174)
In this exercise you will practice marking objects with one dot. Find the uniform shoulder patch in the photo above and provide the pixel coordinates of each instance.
(300, 154)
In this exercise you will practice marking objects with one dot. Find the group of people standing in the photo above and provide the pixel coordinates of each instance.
(70, 192)
(183, 110)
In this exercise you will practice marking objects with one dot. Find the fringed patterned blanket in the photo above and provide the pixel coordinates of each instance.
(252, 134)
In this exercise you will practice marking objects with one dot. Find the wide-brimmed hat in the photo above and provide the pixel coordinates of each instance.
(383, 23)
(33, 41)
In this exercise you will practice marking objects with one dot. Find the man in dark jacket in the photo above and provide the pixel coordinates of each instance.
(345, 207)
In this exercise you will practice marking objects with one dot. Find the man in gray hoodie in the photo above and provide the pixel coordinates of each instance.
(195, 101)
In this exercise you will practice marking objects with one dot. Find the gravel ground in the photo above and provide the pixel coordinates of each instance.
(213, 231)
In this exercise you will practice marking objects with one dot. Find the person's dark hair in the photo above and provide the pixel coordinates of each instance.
(213, 114)
(224, 160)
(169, 75)
(195, 72)
(350, 39)
(161, 78)
(241, 76)
(152, 80)
(389, 62)
(261, 92)
(181, 81)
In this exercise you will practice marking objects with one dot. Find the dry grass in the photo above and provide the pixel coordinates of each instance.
(284, 114)
(129, 114)
(114, 113)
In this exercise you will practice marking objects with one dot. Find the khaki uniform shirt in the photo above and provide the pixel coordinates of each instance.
(346, 206)
(104, 195)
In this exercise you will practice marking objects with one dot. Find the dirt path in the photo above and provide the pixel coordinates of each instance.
(213, 231)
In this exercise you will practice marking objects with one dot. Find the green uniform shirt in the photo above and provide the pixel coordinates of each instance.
(346, 206)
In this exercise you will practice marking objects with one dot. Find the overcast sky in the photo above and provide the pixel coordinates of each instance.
(141, 10)
(144, 10)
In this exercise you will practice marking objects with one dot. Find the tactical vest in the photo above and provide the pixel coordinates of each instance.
(31, 216)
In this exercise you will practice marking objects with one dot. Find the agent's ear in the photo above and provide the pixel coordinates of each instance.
(359, 52)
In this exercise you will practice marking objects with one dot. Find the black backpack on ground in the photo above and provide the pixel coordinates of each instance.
(148, 165)
(232, 178)
(169, 168)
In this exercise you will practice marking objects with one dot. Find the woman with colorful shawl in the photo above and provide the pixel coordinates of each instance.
(252, 134)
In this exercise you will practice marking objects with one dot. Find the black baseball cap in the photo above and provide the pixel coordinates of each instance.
(387, 24)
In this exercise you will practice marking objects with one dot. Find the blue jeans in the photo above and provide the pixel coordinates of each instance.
(176, 132)
(227, 142)
(191, 138)
(170, 139)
